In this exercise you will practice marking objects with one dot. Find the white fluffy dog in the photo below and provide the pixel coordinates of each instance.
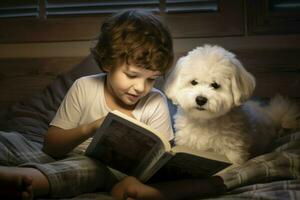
(210, 85)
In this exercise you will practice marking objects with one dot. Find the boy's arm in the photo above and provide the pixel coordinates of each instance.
(58, 142)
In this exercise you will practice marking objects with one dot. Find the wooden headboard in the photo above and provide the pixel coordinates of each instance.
(22, 77)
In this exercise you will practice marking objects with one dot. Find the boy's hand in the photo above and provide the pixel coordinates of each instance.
(89, 129)
(97, 123)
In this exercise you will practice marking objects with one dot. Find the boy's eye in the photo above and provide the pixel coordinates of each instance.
(152, 79)
(194, 82)
(130, 75)
(215, 85)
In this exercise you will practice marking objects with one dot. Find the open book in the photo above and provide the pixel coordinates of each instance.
(136, 149)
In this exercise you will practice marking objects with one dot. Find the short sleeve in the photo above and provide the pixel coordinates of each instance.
(70, 110)
(156, 114)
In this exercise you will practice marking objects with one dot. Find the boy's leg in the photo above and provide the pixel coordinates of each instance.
(15, 149)
(15, 181)
(76, 175)
(68, 177)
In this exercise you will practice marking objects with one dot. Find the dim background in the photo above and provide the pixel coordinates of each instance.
(41, 39)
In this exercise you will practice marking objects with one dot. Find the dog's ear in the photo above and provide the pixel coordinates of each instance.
(173, 81)
(242, 83)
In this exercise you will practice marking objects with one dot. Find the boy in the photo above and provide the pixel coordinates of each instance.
(134, 48)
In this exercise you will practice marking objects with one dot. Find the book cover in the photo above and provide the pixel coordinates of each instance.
(126, 144)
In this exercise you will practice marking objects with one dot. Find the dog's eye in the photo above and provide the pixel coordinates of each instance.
(194, 82)
(215, 85)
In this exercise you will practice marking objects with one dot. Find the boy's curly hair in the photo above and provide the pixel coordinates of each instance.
(134, 37)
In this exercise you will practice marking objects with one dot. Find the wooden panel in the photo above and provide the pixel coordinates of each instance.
(56, 29)
(270, 61)
(36, 66)
(227, 21)
(15, 89)
(21, 78)
(276, 71)
(251, 50)
(287, 84)
(263, 20)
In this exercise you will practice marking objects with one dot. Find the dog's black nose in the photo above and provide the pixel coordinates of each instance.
(200, 100)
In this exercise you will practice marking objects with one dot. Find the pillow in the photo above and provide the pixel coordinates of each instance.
(31, 117)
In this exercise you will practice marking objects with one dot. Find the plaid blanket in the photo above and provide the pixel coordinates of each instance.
(275, 175)
(282, 163)
(287, 189)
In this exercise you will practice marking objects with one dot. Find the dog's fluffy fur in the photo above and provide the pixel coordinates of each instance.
(211, 88)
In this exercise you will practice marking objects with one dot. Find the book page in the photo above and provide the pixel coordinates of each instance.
(143, 170)
(155, 166)
(144, 126)
(204, 154)
(183, 166)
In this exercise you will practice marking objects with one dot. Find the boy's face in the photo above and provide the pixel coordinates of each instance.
(127, 84)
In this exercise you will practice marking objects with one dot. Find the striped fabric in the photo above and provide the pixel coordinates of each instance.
(283, 162)
(69, 177)
(275, 175)
(281, 190)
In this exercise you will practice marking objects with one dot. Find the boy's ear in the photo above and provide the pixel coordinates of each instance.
(106, 68)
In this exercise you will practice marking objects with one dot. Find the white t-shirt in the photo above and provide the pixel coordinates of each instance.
(85, 103)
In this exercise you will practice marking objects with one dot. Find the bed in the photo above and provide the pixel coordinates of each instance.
(274, 175)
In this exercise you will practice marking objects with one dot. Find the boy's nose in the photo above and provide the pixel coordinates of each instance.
(139, 86)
